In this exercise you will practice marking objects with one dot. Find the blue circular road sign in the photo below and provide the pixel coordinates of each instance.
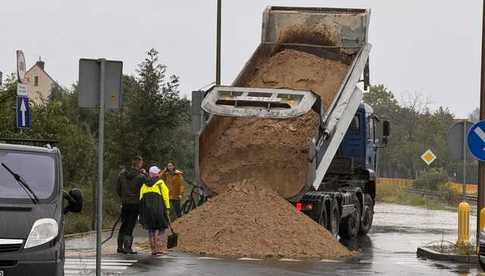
(476, 140)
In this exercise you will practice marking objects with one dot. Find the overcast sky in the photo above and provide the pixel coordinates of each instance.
(430, 47)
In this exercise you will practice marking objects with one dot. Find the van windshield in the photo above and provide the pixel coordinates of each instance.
(38, 171)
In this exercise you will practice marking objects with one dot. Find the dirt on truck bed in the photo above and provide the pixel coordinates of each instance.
(271, 153)
(250, 221)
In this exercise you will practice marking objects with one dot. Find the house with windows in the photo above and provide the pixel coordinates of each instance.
(39, 83)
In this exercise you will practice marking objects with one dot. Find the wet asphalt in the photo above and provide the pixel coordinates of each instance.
(389, 249)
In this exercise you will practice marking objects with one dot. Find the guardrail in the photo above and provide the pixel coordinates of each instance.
(432, 194)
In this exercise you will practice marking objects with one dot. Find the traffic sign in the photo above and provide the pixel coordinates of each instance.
(21, 89)
(476, 140)
(21, 68)
(428, 157)
(89, 83)
(457, 141)
(23, 112)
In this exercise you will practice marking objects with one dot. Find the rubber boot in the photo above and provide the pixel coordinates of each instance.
(121, 244)
(128, 245)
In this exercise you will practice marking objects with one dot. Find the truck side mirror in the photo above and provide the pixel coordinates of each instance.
(386, 131)
(74, 201)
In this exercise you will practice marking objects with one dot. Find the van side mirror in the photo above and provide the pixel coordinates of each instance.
(74, 201)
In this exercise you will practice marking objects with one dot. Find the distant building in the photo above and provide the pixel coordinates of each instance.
(39, 83)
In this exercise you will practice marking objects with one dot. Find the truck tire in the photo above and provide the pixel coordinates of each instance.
(350, 225)
(334, 219)
(367, 215)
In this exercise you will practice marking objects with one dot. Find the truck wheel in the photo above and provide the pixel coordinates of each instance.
(349, 228)
(367, 215)
(334, 224)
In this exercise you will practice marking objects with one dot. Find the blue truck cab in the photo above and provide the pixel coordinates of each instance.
(344, 203)
(32, 208)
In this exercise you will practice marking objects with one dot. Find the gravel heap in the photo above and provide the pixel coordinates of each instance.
(249, 221)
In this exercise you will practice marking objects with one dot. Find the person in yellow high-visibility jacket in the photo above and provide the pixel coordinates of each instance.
(154, 207)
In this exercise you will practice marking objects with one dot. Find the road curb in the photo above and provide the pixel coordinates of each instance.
(427, 253)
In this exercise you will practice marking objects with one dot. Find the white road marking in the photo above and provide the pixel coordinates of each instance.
(208, 258)
(167, 257)
(329, 261)
(87, 266)
(249, 259)
(93, 266)
(94, 260)
(289, 260)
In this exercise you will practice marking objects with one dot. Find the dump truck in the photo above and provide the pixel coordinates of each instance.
(294, 121)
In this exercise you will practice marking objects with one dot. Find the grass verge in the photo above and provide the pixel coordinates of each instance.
(399, 194)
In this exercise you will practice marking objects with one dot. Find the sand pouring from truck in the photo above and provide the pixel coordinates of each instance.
(294, 120)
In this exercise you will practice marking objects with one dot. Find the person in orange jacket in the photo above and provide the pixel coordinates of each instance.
(176, 184)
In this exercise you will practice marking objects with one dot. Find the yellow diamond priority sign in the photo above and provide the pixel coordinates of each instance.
(428, 157)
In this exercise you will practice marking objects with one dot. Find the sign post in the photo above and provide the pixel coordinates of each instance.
(476, 144)
(457, 147)
(481, 164)
(22, 106)
(96, 78)
(99, 190)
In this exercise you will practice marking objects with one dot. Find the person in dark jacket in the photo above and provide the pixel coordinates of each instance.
(154, 209)
(128, 188)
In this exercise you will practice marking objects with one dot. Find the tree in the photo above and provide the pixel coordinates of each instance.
(415, 128)
(154, 121)
(475, 115)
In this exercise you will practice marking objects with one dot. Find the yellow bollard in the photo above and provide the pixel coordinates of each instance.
(482, 219)
(480, 229)
(464, 224)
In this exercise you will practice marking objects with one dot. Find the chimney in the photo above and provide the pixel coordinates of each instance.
(40, 63)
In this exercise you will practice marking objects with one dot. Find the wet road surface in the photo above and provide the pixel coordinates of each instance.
(389, 249)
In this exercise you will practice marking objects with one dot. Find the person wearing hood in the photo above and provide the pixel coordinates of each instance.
(128, 187)
(154, 209)
(175, 182)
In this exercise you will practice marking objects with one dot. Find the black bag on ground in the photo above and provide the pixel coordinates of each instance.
(172, 239)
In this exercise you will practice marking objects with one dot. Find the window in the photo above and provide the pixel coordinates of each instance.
(36, 81)
(38, 171)
(371, 131)
(355, 125)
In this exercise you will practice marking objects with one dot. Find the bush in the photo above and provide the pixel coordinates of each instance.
(433, 179)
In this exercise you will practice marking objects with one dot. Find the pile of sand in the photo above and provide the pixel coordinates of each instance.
(271, 152)
(250, 221)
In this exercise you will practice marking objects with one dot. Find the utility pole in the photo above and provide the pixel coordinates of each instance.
(481, 164)
(218, 46)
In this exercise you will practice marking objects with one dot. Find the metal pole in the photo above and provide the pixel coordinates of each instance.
(464, 159)
(99, 189)
(481, 164)
(218, 46)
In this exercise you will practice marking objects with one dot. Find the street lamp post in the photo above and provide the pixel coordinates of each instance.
(218, 46)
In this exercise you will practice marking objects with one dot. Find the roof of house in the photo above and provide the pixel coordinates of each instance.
(36, 65)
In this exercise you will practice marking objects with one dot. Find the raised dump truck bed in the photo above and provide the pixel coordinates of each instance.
(282, 121)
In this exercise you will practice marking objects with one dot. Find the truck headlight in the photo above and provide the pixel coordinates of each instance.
(43, 231)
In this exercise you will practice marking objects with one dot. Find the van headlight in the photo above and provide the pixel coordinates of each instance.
(43, 231)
